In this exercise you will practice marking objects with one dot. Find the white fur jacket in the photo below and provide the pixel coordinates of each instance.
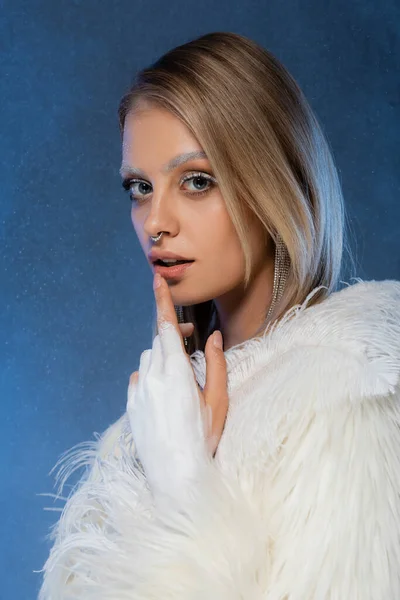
(302, 500)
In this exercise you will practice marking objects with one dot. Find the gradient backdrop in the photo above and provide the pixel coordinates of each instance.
(76, 295)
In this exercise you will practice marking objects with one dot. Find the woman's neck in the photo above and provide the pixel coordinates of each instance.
(241, 313)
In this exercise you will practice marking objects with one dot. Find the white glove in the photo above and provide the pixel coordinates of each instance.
(169, 424)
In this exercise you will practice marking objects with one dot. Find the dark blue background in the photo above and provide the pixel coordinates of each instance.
(76, 296)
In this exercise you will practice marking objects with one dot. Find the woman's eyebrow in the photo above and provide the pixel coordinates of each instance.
(127, 170)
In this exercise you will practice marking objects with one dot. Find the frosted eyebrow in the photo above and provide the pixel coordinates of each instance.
(127, 170)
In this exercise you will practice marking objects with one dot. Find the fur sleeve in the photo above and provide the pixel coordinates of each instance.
(111, 543)
(334, 502)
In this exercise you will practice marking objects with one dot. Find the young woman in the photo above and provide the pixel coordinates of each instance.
(267, 468)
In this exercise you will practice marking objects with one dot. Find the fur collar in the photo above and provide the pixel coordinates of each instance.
(362, 319)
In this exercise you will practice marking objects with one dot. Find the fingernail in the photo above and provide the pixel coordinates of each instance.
(156, 281)
(217, 339)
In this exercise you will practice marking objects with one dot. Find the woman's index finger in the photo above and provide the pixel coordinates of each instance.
(165, 306)
(167, 321)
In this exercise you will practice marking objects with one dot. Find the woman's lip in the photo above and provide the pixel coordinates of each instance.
(172, 272)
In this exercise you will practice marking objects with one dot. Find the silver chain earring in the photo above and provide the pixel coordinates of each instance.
(179, 315)
(281, 271)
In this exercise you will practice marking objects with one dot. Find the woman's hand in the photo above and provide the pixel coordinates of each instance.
(174, 423)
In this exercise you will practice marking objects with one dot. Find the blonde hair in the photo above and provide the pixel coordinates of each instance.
(267, 151)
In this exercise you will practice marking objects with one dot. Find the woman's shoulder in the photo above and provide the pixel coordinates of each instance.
(369, 295)
(343, 349)
(363, 318)
(360, 315)
(349, 344)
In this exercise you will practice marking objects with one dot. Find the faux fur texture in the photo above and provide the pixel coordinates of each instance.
(302, 499)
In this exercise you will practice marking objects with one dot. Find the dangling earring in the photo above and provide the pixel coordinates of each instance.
(179, 315)
(281, 271)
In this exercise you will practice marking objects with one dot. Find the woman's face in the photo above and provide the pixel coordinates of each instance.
(196, 225)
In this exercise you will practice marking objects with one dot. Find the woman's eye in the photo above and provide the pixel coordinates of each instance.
(200, 183)
(137, 189)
